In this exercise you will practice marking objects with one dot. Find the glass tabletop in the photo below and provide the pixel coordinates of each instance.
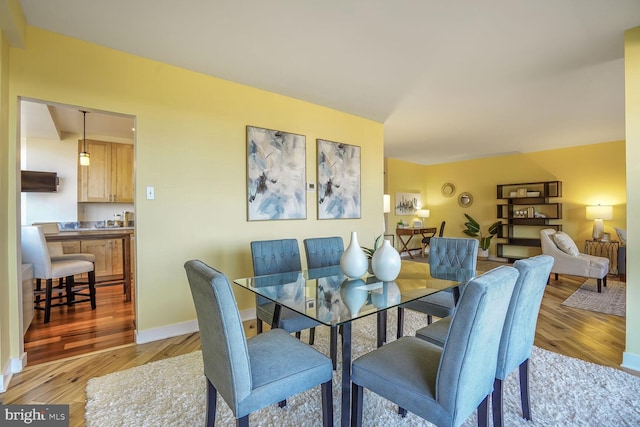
(328, 296)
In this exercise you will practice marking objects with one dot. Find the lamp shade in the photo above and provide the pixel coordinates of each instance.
(600, 212)
(386, 203)
(423, 213)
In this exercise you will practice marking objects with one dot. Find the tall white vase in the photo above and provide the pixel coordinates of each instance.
(353, 261)
(386, 262)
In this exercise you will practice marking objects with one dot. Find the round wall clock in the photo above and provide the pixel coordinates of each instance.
(448, 189)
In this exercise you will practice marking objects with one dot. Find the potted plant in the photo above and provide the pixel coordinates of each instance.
(473, 230)
(370, 251)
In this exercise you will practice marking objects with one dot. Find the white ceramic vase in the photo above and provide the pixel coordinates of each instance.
(354, 294)
(353, 261)
(386, 262)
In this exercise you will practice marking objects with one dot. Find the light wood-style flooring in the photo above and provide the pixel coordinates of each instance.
(586, 335)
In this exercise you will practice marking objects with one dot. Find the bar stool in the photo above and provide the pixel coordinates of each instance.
(36, 252)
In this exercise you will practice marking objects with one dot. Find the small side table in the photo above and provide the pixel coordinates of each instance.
(608, 249)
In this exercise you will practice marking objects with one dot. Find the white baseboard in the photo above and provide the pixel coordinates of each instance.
(13, 366)
(631, 361)
(167, 331)
(176, 329)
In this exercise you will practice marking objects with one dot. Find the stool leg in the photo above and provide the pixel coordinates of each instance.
(92, 289)
(47, 300)
(69, 287)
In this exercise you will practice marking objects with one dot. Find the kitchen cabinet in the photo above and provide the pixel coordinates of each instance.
(109, 177)
(108, 253)
(526, 208)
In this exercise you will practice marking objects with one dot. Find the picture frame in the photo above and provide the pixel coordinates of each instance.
(521, 192)
(407, 203)
(276, 175)
(339, 192)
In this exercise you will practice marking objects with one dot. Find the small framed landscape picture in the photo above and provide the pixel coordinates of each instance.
(521, 192)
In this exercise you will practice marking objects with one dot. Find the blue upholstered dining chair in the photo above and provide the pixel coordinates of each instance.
(255, 373)
(443, 385)
(273, 257)
(446, 255)
(518, 334)
(323, 251)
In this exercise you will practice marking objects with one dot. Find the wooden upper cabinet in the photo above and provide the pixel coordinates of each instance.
(109, 177)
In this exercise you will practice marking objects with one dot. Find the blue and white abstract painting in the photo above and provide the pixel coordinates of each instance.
(276, 169)
(338, 180)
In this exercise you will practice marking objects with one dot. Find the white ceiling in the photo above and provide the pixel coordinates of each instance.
(450, 80)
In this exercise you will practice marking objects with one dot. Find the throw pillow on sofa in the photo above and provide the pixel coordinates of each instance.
(565, 243)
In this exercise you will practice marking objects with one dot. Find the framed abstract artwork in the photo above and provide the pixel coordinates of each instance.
(276, 175)
(338, 180)
(407, 203)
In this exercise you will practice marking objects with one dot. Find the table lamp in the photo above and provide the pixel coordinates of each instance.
(598, 214)
(423, 214)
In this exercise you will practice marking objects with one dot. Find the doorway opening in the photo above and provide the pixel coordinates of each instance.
(52, 135)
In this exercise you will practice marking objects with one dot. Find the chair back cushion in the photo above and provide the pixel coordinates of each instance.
(442, 224)
(323, 251)
(275, 256)
(520, 324)
(224, 346)
(36, 252)
(449, 256)
(468, 362)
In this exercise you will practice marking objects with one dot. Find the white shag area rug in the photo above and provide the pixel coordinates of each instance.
(171, 392)
(612, 299)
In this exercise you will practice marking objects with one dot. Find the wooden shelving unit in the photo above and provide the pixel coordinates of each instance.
(525, 209)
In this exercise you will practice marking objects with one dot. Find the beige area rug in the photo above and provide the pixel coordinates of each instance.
(612, 300)
(171, 392)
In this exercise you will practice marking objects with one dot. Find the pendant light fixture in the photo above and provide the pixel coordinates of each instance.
(85, 159)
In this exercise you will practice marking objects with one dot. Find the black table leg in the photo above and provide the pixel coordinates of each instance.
(345, 413)
(276, 316)
(382, 328)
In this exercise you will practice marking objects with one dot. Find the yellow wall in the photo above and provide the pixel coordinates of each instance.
(4, 209)
(583, 184)
(632, 108)
(191, 146)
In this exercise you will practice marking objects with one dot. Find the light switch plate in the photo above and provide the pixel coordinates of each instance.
(151, 193)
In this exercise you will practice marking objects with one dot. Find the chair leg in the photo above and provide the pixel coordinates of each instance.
(312, 336)
(524, 390)
(47, 300)
(556, 275)
(400, 331)
(69, 287)
(258, 326)
(599, 285)
(298, 334)
(496, 403)
(333, 346)
(429, 319)
(242, 422)
(402, 412)
(282, 403)
(212, 394)
(327, 404)
(92, 289)
(604, 280)
(483, 412)
(356, 405)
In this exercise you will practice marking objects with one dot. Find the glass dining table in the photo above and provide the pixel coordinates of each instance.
(332, 299)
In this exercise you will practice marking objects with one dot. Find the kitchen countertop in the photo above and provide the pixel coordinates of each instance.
(91, 234)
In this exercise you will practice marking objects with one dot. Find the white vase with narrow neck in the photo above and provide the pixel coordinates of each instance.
(353, 261)
(386, 262)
